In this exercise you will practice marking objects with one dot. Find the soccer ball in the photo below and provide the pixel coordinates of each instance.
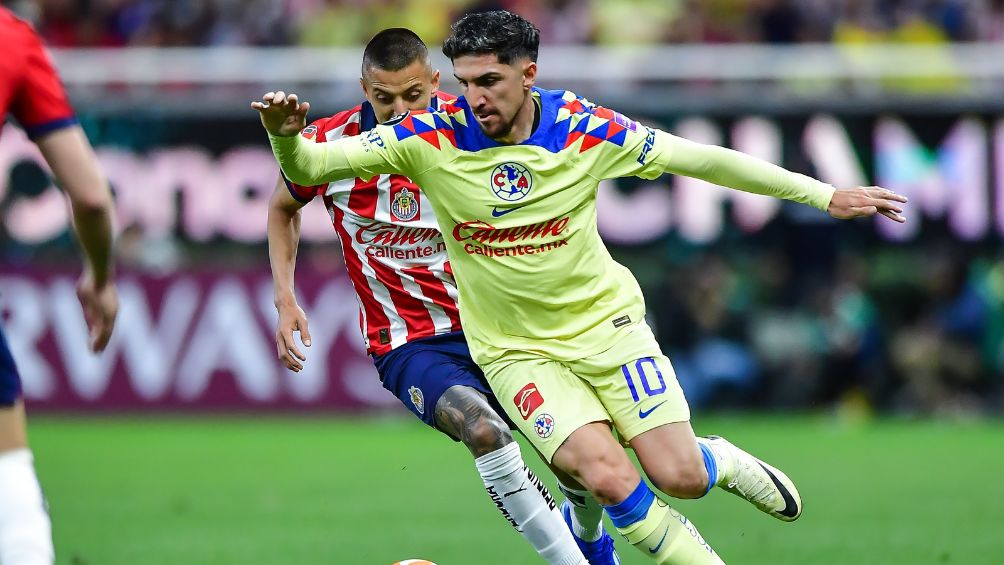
(414, 562)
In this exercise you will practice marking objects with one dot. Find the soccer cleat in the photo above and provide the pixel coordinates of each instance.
(764, 486)
(599, 552)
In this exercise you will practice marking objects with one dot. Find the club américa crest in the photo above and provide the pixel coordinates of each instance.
(404, 205)
(511, 181)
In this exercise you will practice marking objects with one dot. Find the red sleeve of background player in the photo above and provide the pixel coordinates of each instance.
(39, 103)
(317, 132)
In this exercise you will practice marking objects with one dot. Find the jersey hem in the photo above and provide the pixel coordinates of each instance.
(381, 351)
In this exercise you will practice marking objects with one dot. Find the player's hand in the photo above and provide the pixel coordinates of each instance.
(100, 306)
(282, 115)
(291, 318)
(863, 201)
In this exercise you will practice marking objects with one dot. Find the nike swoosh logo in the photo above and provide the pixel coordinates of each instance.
(644, 413)
(499, 213)
(790, 507)
(654, 550)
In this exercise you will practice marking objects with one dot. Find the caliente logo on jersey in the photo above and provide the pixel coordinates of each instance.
(527, 400)
(404, 205)
(511, 181)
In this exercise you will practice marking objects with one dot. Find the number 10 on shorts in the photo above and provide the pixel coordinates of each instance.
(643, 370)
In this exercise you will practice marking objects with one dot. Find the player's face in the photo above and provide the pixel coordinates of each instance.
(396, 92)
(495, 92)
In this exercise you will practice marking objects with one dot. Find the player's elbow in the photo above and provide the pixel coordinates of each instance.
(302, 178)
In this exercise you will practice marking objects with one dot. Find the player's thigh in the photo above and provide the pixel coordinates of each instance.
(545, 400)
(12, 425)
(419, 378)
(641, 395)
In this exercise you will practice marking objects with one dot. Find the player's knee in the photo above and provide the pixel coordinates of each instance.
(609, 477)
(485, 434)
(681, 481)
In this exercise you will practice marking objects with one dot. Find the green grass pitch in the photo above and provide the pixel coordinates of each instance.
(250, 490)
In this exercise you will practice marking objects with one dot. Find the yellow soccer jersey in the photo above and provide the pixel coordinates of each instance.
(519, 220)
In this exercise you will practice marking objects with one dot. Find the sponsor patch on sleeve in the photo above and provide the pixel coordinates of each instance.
(625, 121)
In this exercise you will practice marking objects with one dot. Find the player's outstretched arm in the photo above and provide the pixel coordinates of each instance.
(283, 239)
(733, 169)
(72, 161)
(302, 161)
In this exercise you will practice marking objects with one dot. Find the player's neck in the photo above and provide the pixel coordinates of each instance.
(524, 124)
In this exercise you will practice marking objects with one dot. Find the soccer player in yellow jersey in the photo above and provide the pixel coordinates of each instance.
(557, 325)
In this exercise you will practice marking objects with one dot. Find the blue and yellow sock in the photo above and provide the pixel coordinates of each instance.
(659, 531)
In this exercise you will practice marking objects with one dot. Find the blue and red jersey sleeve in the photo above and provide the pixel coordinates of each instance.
(30, 88)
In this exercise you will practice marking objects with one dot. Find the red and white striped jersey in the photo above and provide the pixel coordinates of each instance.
(394, 252)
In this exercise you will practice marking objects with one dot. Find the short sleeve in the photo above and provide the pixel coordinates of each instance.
(40, 104)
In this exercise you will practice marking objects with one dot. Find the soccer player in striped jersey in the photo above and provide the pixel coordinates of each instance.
(396, 259)
(30, 90)
(557, 325)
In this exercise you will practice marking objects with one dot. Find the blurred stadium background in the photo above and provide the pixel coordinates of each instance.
(866, 358)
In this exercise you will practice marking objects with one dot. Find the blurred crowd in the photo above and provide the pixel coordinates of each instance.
(161, 23)
(909, 330)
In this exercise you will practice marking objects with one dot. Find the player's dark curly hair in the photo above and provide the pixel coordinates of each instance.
(507, 35)
(394, 49)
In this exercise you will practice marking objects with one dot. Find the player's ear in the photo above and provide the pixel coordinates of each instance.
(435, 81)
(366, 90)
(529, 75)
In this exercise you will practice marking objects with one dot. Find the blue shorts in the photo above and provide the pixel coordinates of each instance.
(10, 383)
(418, 373)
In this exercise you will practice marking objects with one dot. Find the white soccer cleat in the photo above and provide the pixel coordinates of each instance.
(764, 486)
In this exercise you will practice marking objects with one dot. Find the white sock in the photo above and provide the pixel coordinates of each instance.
(587, 514)
(527, 505)
(25, 530)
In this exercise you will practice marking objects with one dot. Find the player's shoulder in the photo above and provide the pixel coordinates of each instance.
(342, 124)
(567, 105)
(439, 119)
(15, 32)
(581, 114)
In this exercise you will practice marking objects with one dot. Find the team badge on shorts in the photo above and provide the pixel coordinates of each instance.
(544, 425)
(404, 205)
(417, 398)
(511, 181)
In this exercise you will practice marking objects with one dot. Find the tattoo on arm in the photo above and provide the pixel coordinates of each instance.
(465, 414)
